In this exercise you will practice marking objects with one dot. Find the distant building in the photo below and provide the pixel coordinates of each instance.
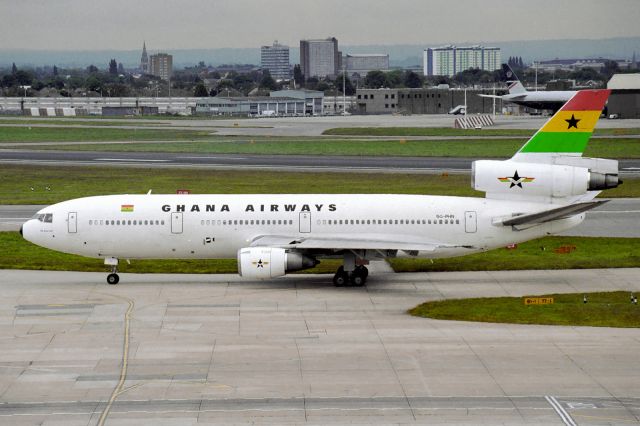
(144, 59)
(313, 100)
(320, 58)
(161, 65)
(422, 101)
(450, 60)
(576, 64)
(362, 64)
(624, 101)
(275, 58)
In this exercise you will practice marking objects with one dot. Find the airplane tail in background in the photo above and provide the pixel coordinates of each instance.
(549, 167)
(513, 84)
(568, 130)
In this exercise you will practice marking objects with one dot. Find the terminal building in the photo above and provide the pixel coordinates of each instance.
(280, 103)
(450, 60)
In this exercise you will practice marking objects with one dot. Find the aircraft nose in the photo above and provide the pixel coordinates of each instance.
(21, 226)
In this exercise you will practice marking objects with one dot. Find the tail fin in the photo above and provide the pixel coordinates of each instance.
(569, 130)
(513, 84)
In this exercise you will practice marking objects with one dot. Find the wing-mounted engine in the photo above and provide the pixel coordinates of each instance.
(271, 262)
(559, 178)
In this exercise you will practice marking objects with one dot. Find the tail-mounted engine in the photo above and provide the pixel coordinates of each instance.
(270, 262)
(566, 177)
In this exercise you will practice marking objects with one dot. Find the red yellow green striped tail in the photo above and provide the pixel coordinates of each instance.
(569, 130)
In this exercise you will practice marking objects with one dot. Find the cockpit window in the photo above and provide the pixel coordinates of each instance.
(44, 217)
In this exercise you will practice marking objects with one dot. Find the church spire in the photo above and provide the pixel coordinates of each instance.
(144, 59)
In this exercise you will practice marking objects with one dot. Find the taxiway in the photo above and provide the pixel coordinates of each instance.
(185, 349)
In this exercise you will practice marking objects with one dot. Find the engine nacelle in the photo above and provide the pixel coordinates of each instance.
(512, 178)
(271, 262)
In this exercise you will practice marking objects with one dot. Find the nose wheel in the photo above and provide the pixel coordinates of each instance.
(113, 279)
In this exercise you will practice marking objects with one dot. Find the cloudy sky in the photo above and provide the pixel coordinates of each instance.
(173, 24)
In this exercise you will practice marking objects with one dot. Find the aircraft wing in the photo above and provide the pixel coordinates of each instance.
(510, 98)
(490, 96)
(347, 242)
(549, 215)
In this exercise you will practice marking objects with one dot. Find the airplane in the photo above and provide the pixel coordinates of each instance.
(544, 189)
(518, 94)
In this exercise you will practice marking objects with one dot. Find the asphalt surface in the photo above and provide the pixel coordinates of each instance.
(266, 162)
(218, 349)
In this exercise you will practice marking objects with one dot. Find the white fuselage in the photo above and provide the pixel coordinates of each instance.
(217, 226)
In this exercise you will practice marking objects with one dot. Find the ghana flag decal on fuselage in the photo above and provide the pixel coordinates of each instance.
(569, 130)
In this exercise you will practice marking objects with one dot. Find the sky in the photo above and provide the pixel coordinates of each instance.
(206, 24)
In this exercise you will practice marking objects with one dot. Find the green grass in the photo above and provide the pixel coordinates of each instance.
(481, 148)
(17, 253)
(589, 253)
(610, 309)
(65, 183)
(66, 121)
(447, 131)
(67, 134)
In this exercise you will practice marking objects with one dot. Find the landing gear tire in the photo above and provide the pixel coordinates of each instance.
(359, 276)
(113, 279)
(341, 278)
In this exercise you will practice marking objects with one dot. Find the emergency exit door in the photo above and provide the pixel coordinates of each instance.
(176, 223)
(470, 222)
(72, 222)
(305, 222)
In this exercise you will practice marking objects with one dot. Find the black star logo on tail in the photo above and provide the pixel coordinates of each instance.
(573, 122)
(260, 264)
(515, 180)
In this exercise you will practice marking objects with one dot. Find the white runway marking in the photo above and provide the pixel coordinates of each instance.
(566, 418)
(131, 159)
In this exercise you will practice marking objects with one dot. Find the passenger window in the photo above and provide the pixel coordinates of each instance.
(118, 222)
(90, 222)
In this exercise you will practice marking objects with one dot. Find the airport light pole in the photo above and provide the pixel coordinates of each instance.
(344, 91)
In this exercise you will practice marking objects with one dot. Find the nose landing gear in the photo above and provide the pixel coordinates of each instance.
(113, 277)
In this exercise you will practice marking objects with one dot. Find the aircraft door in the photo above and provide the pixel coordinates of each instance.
(305, 222)
(176, 223)
(470, 222)
(72, 222)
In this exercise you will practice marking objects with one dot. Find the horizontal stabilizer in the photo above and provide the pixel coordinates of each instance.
(549, 215)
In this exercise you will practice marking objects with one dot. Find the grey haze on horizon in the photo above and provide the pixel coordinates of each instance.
(210, 24)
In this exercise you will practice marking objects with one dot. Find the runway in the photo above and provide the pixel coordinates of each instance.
(219, 349)
(617, 218)
(314, 163)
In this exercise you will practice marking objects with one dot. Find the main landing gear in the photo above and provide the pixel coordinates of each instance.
(356, 278)
(113, 277)
(350, 274)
